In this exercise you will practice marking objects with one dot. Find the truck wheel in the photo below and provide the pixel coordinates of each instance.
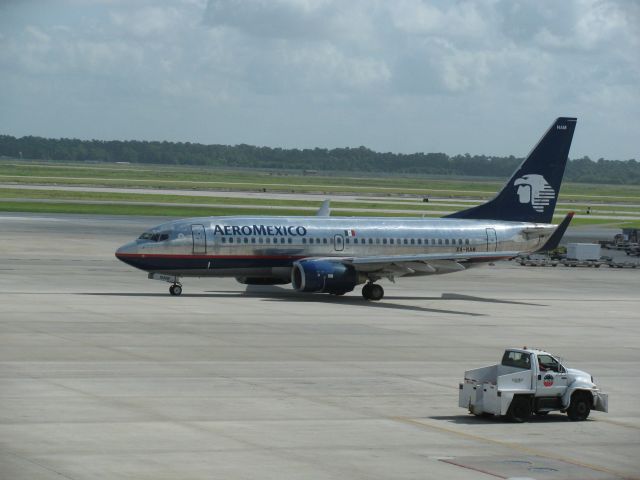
(579, 408)
(519, 410)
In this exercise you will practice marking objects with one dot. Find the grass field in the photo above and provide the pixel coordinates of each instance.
(154, 202)
(194, 178)
(179, 211)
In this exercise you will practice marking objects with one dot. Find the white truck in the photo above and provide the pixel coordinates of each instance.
(530, 381)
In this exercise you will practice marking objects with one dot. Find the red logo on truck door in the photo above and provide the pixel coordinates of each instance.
(548, 380)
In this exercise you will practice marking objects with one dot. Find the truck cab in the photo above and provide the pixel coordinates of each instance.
(529, 381)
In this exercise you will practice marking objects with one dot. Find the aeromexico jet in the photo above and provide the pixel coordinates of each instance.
(326, 254)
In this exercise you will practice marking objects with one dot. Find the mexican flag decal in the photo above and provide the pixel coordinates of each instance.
(548, 380)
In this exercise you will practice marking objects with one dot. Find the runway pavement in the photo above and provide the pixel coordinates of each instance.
(104, 375)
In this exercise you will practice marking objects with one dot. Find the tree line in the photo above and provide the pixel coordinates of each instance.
(360, 159)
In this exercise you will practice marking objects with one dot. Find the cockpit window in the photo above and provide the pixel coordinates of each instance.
(154, 236)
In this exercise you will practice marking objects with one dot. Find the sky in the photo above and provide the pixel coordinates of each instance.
(483, 77)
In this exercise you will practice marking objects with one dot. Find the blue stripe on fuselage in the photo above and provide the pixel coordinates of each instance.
(162, 263)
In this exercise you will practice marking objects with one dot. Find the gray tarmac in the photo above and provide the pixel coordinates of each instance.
(103, 375)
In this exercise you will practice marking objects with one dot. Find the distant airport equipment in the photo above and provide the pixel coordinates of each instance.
(583, 251)
(529, 381)
(324, 254)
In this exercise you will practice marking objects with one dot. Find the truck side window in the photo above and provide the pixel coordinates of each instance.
(548, 363)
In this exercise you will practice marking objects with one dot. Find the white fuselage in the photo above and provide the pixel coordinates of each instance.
(236, 246)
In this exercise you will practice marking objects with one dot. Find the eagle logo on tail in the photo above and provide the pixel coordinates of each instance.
(535, 190)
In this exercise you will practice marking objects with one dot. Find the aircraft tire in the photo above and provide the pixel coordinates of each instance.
(175, 290)
(372, 291)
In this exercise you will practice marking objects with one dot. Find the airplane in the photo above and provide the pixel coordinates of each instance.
(333, 255)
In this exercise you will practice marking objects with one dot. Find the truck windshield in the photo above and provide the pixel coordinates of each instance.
(516, 359)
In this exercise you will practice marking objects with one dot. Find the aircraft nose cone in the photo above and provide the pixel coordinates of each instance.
(126, 250)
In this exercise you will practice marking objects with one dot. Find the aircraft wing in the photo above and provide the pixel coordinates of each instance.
(428, 263)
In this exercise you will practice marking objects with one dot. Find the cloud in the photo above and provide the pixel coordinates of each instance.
(391, 75)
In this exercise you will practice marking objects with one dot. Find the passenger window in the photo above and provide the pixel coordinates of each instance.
(377, 241)
(304, 240)
(230, 239)
(324, 240)
(260, 241)
(466, 241)
(245, 240)
(446, 241)
(223, 239)
(289, 240)
(346, 240)
(433, 241)
(253, 240)
(268, 240)
(405, 241)
(419, 241)
(282, 240)
(459, 241)
(413, 242)
(370, 241)
(384, 241)
(439, 241)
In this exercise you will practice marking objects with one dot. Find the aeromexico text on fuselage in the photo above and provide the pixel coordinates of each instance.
(264, 230)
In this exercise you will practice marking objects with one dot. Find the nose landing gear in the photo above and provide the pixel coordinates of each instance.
(372, 291)
(175, 289)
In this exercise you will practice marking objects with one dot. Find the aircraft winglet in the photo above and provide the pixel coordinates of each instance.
(554, 239)
(325, 209)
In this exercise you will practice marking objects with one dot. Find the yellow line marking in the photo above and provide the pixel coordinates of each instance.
(513, 446)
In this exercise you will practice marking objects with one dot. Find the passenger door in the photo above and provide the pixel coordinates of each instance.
(338, 243)
(492, 240)
(199, 239)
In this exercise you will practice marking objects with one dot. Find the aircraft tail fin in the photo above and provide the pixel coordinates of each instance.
(531, 193)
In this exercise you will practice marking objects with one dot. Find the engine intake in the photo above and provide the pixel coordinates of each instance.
(323, 276)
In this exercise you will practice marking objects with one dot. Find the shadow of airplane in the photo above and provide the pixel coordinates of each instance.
(274, 293)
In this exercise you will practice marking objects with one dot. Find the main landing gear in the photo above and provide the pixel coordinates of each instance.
(372, 291)
(175, 289)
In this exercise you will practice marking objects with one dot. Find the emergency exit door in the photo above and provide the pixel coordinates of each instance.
(199, 239)
(492, 240)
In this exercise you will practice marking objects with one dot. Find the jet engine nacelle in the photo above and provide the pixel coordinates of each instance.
(323, 276)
